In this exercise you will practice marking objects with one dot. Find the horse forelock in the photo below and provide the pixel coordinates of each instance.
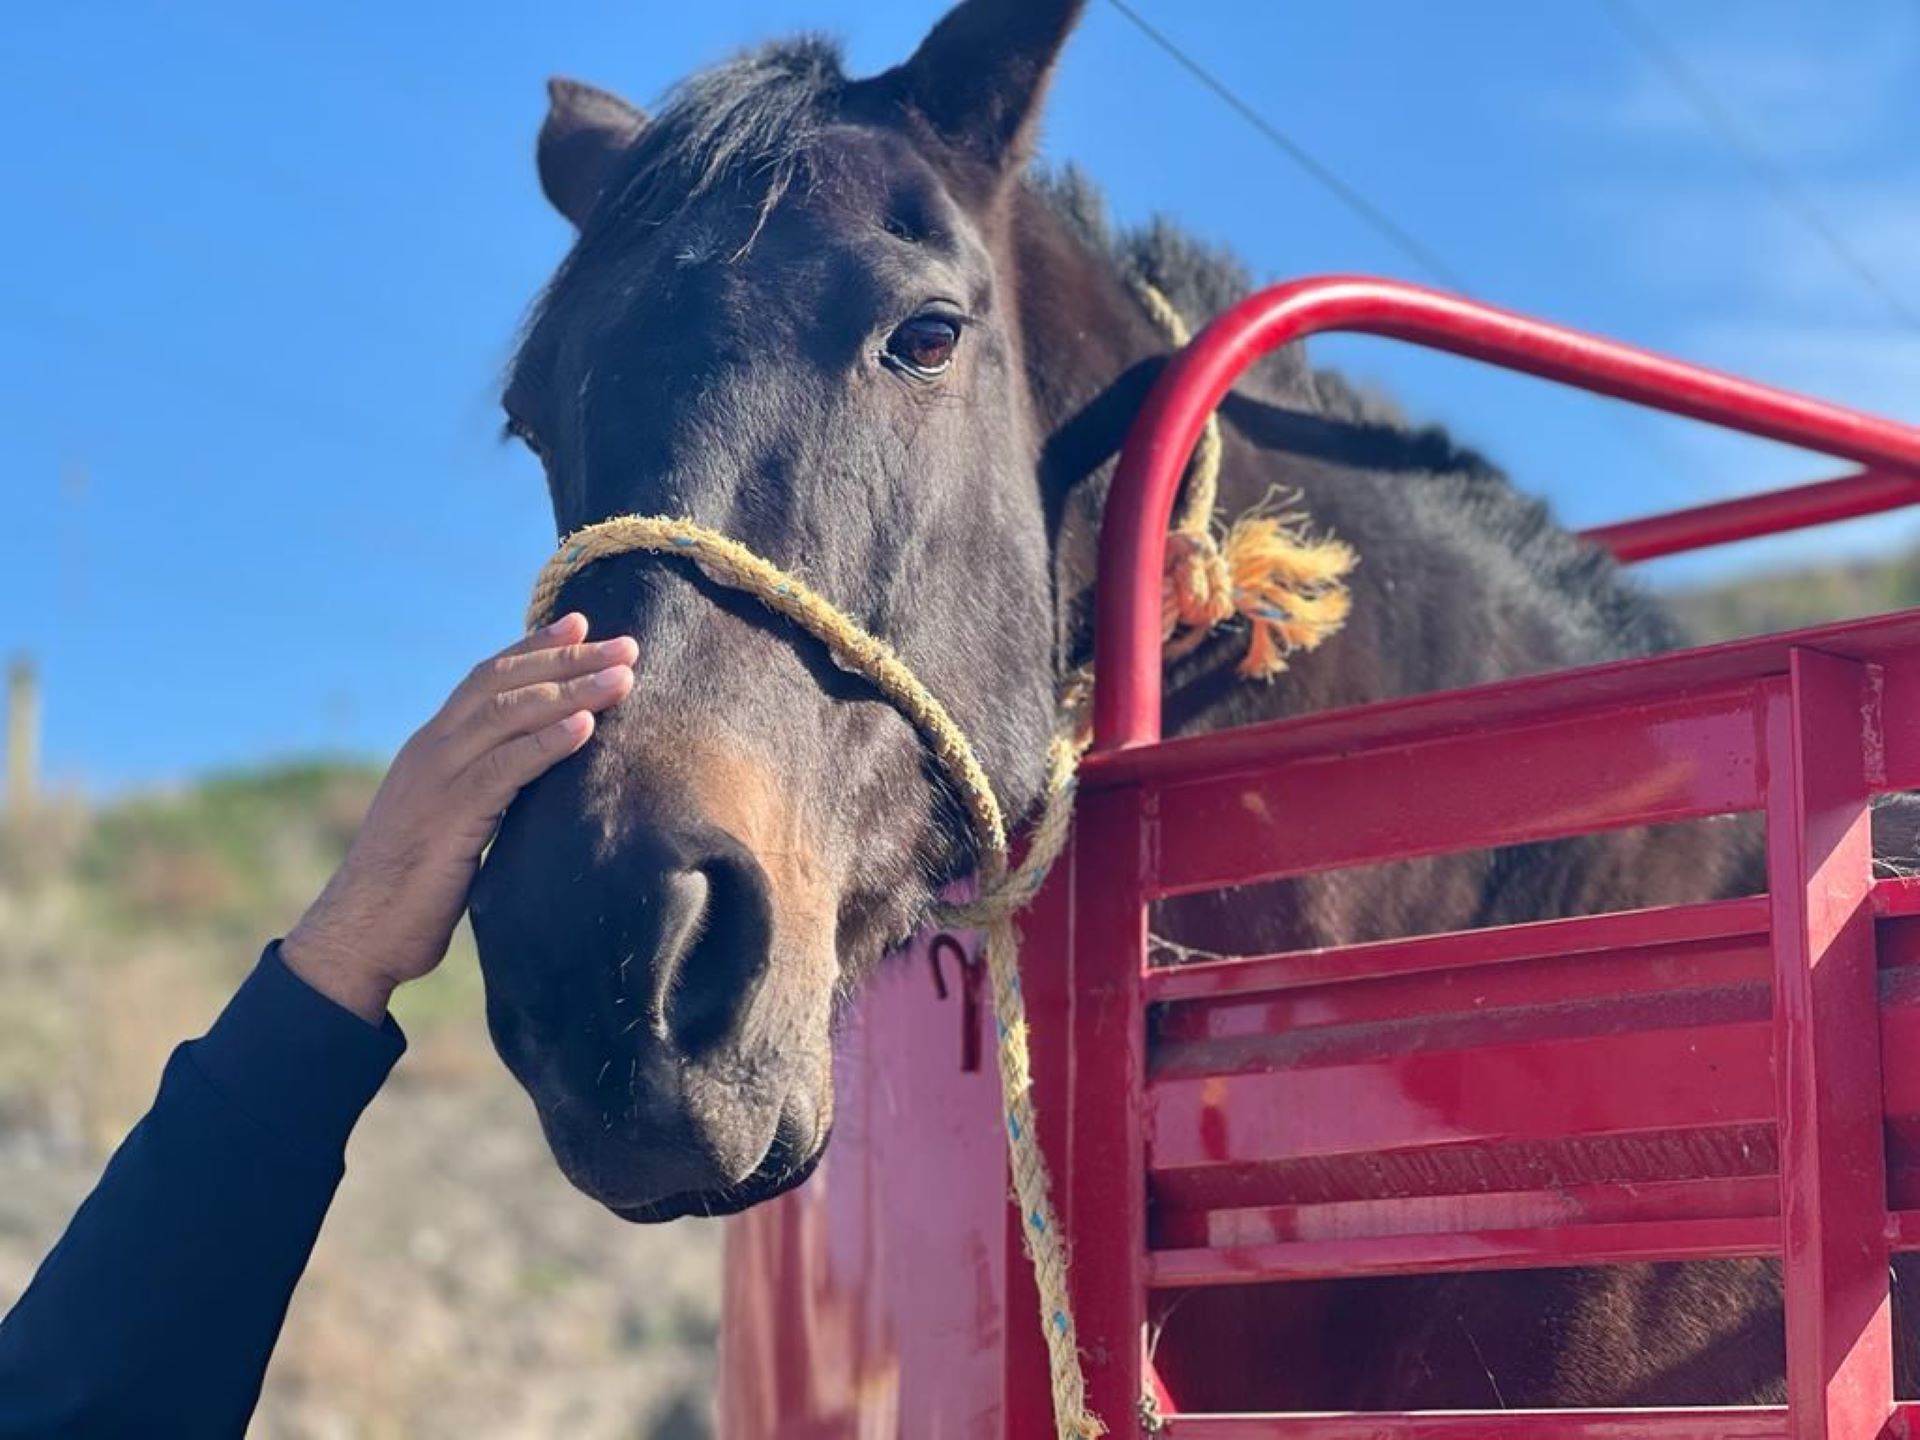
(748, 123)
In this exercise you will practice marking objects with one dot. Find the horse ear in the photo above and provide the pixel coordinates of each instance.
(585, 133)
(979, 78)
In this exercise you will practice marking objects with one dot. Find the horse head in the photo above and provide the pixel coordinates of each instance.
(791, 313)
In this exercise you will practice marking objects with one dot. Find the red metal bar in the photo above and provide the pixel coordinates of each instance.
(1642, 1082)
(1532, 999)
(1541, 1247)
(1577, 773)
(1889, 641)
(1821, 738)
(1133, 539)
(1106, 1150)
(1800, 507)
(1048, 982)
(1903, 1230)
(1757, 1423)
(1506, 945)
(1740, 1197)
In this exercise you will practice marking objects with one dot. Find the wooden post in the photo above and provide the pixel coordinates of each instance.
(23, 734)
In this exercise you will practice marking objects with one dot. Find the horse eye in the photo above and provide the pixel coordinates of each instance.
(521, 431)
(925, 344)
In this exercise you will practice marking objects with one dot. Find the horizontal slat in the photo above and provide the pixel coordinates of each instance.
(1726, 1198)
(1903, 1229)
(1756, 1423)
(1869, 491)
(1547, 1248)
(1661, 1080)
(1624, 930)
(1666, 760)
(1897, 899)
(1559, 997)
(1725, 1152)
(1889, 641)
(1898, 676)
(1900, 1043)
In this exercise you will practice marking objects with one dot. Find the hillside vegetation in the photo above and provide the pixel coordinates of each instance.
(461, 1288)
(1790, 598)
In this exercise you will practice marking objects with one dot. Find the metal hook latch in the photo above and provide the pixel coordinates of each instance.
(971, 973)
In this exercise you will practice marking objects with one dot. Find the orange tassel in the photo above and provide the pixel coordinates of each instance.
(1288, 586)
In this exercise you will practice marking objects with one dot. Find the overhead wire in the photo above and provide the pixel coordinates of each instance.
(1322, 174)
(1376, 218)
(1786, 193)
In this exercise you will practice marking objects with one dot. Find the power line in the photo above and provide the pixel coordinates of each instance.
(1626, 421)
(1786, 193)
(1323, 175)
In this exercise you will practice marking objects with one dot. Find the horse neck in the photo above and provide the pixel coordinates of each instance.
(1091, 354)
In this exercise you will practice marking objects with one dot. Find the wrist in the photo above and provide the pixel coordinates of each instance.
(338, 974)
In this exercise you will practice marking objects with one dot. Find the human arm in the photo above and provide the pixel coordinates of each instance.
(157, 1311)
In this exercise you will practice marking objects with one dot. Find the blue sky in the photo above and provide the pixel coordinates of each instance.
(262, 264)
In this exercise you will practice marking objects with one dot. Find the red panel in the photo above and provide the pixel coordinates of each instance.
(1833, 1195)
(1133, 538)
(873, 1292)
(1800, 507)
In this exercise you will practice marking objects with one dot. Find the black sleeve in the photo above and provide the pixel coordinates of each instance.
(156, 1312)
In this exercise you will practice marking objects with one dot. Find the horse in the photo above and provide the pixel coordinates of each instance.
(847, 322)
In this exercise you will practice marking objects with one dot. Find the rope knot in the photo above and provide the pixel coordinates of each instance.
(1196, 590)
(1289, 586)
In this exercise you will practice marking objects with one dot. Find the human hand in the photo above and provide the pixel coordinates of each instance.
(389, 912)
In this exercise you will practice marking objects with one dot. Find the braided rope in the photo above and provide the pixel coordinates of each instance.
(1265, 568)
(1289, 589)
(1203, 471)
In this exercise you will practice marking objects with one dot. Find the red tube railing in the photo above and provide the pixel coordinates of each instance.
(1798, 507)
(1133, 540)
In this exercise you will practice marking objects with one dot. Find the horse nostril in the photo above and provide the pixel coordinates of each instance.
(715, 932)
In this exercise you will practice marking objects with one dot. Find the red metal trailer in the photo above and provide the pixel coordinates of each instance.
(1753, 1079)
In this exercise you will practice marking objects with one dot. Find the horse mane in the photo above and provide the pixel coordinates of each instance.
(750, 123)
(1456, 487)
(747, 122)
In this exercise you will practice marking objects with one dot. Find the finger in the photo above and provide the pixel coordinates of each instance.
(568, 629)
(512, 669)
(501, 772)
(560, 662)
(528, 708)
